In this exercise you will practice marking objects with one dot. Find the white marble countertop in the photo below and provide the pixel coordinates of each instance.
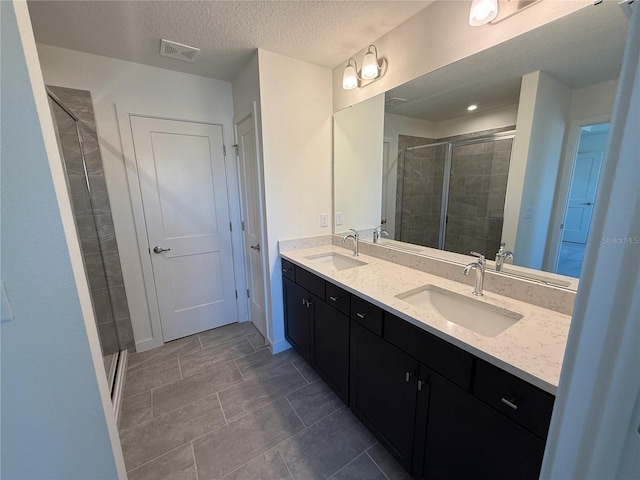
(531, 349)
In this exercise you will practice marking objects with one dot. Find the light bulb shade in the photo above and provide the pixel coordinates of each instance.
(370, 67)
(482, 12)
(350, 77)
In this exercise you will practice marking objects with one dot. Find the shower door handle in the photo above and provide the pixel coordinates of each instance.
(158, 249)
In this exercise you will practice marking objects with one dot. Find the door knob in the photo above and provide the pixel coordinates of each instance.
(158, 249)
(256, 247)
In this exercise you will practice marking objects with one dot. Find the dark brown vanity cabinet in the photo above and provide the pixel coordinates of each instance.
(439, 410)
(318, 329)
(383, 391)
(459, 436)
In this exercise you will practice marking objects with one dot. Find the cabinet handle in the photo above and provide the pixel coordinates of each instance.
(420, 384)
(304, 302)
(333, 299)
(509, 404)
(285, 270)
(408, 375)
(361, 315)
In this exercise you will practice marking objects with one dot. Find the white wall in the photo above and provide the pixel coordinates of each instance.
(135, 88)
(57, 419)
(439, 35)
(357, 157)
(593, 100)
(296, 128)
(535, 162)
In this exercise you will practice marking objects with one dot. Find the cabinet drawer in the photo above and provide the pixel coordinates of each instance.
(366, 314)
(310, 281)
(439, 355)
(288, 269)
(338, 298)
(522, 402)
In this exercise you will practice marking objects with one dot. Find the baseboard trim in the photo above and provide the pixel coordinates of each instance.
(280, 346)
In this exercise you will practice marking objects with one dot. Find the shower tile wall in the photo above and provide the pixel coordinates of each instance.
(419, 191)
(79, 102)
(477, 190)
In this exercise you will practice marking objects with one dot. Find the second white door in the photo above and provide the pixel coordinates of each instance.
(183, 185)
(249, 181)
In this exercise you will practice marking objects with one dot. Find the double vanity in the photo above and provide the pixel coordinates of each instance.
(453, 385)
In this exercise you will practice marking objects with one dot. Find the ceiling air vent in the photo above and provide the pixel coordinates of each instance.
(178, 51)
(394, 101)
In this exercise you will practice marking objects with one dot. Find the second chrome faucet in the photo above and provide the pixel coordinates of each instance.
(478, 266)
(356, 237)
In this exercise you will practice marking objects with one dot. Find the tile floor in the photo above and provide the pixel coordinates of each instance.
(219, 405)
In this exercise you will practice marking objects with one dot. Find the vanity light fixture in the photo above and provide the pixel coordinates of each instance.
(482, 12)
(471, 108)
(372, 69)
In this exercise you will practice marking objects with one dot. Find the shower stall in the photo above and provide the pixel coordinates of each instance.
(451, 194)
(72, 112)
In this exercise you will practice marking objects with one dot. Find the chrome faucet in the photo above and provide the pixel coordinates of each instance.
(356, 236)
(478, 266)
(379, 232)
(501, 256)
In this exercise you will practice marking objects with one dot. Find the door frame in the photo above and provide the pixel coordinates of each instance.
(261, 216)
(123, 113)
(561, 200)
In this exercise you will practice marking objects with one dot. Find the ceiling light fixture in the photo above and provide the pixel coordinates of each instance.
(482, 12)
(372, 70)
(471, 108)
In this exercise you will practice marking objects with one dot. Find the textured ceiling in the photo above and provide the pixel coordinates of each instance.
(227, 32)
(581, 49)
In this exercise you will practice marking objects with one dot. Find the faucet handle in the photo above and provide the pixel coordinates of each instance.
(502, 245)
(481, 258)
(355, 231)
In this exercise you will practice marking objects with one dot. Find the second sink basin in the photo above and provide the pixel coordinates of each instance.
(487, 320)
(335, 260)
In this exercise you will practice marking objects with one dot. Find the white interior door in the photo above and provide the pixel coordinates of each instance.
(183, 185)
(249, 187)
(582, 197)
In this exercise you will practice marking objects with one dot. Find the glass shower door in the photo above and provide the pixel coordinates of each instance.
(476, 195)
(70, 145)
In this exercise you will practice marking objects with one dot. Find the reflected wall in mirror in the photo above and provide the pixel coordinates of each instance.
(522, 168)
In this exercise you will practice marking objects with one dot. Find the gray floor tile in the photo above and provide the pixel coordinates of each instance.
(221, 335)
(175, 465)
(305, 369)
(169, 350)
(387, 463)
(257, 340)
(362, 468)
(260, 390)
(194, 387)
(135, 410)
(314, 402)
(262, 360)
(153, 375)
(268, 466)
(228, 448)
(203, 359)
(149, 440)
(325, 447)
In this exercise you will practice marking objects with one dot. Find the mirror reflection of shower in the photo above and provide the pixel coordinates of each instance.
(78, 145)
(451, 194)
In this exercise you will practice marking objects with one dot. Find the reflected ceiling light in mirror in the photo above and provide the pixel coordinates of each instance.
(471, 108)
(482, 12)
(372, 69)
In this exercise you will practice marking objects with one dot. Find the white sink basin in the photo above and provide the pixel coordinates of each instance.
(335, 260)
(487, 320)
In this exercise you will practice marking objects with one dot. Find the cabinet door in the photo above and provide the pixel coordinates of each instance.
(466, 438)
(297, 323)
(331, 347)
(383, 391)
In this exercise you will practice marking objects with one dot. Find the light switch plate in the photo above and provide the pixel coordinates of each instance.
(338, 218)
(324, 219)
